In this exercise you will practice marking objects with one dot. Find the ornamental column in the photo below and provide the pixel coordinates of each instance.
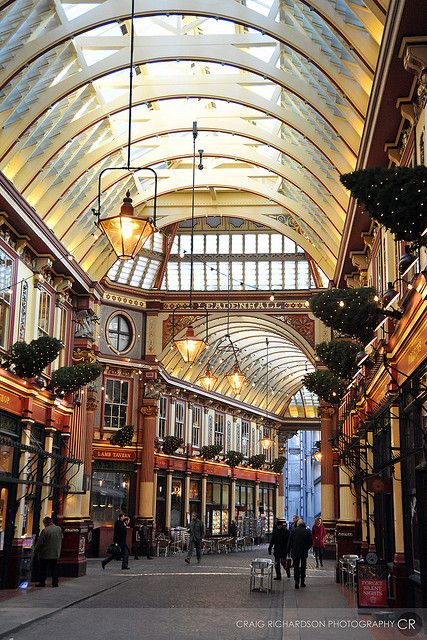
(204, 487)
(149, 411)
(345, 530)
(233, 496)
(168, 499)
(187, 514)
(280, 497)
(327, 414)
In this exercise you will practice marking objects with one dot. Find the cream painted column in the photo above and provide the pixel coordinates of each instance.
(154, 493)
(280, 497)
(370, 457)
(187, 496)
(256, 498)
(47, 468)
(188, 439)
(21, 515)
(327, 472)
(168, 498)
(347, 500)
(233, 499)
(204, 486)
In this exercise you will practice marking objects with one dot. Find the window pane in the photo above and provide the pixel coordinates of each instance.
(263, 243)
(223, 243)
(250, 243)
(276, 243)
(237, 243)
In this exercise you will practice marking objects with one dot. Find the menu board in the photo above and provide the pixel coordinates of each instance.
(371, 585)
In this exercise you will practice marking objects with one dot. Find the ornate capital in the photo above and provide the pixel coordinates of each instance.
(83, 355)
(326, 411)
(149, 410)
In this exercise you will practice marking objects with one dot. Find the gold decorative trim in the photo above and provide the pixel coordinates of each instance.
(122, 299)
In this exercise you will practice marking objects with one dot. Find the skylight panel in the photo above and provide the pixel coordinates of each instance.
(73, 11)
(92, 56)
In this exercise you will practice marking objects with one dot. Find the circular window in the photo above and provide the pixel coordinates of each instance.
(119, 333)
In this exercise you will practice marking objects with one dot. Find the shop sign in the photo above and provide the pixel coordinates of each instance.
(371, 585)
(10, 402)
(112, 454)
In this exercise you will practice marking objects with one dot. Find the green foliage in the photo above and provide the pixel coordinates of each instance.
(355, 317)
(278, 464)
(123, 437)
(339, 356)
(257, 461)
(29, 360)
(171, 444)
(71, 379)
(210, 451)
(233, 458)
(396, 198)
(325, 384)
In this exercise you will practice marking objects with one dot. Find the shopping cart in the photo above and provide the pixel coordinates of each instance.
(261, 575)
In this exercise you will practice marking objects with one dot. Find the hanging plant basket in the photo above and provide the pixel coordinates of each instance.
(396, 198)
(257, 461)
(171, 444)
(325, 384)
(29, 360)
(278, 464)
(123, 436)
(340, 356)
(233, 458)
(71, 379)
(352, 312)
(210, 451)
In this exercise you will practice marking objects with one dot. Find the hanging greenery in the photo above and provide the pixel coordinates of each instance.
(171, 444)
(123, 436)
(210, 451)
(340, 356)
(396, 198)
(278, 464)
(352, 312)
(257, 461)
(233, 458)
(325, 384)
(71, 379)
(29, 360)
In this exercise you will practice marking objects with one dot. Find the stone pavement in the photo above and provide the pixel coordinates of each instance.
(165, 598)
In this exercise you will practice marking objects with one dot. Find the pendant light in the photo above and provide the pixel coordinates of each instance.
(207, 380)
(266, 442)
(126, 232)
(236, 379)
(191, 347)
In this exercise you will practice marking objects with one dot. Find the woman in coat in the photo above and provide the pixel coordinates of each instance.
(318, 533)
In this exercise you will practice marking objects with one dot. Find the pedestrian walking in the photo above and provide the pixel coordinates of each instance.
(143, 547)
(197, 531)
(318, 534)
(48, 549)
(279, 544)
(119, 541)
(294, 521)
(299, 543)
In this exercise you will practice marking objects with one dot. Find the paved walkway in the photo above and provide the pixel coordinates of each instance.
(166, 599)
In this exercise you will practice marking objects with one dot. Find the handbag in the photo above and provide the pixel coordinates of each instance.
(114, 550)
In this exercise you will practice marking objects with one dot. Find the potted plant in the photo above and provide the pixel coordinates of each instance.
(210, 451)
(71, 379)
(29, 360)
(257, 461)
(123, 436)
(278, 464)
(325, 384)
(340, 356)
(233, 458)
(171, 444)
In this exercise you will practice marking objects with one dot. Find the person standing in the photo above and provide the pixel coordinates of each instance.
(119, 538)
(232, 531)
(294, 521)
(318, 534)
(299, 543)
(197, 531)
(279, 545)
(48, 550)
(144, 546)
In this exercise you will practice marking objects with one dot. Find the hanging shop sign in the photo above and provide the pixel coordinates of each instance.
(113, 454)
(371, 585)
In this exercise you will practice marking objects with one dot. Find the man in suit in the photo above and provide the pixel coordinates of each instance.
(119, 538)
(300, 542)
(48, 550)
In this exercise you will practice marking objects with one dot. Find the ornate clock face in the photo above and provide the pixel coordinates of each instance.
(371, 558)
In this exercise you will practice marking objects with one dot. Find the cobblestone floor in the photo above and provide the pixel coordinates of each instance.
(164, 598)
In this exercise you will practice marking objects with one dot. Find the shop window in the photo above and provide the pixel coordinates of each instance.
(116, 403)
(179, 419)
(245, 438)
(217, 509)
(6, 266)
(219, 429)
(197, 422)
(119, 333)
(176, 503)
(43, 321)
(110, 496)
(163, 416)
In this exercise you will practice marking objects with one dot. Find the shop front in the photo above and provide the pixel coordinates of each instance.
(10, 429)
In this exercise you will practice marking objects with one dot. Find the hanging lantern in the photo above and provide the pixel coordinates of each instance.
(207, 380)
(266, 442)
(126, 233)
(317, 456)
(236, 380)
(190, 347)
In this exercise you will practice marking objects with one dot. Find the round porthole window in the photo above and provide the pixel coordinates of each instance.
(119, 333)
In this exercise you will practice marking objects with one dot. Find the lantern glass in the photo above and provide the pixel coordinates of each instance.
(317, 456)
(207, 380)
(266, 442)
(236, 380)
(190, 347)
(126, 233)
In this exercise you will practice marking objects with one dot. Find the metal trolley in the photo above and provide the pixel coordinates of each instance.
(261, 575)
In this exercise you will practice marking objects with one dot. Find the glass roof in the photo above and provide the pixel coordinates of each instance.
(279, 90)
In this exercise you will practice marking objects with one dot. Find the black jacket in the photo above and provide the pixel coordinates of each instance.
(279, 541)
(120, 531)
(300, 542)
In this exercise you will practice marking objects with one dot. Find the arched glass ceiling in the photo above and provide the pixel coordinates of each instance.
(289, 78)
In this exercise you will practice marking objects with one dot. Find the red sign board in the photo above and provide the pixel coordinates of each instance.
(372, 585)
(113, 454)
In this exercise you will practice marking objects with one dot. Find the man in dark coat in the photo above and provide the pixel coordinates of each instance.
(48, 550)
(279, 544)
(119, 538)
(300, 542)
(144, 545)
(197, 531)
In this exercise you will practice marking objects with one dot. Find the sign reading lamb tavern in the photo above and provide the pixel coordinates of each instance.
(113, 454)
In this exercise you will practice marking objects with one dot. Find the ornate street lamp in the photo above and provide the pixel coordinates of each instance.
(266, 442)
(236, 379)
(189, 346)
(207, 380)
